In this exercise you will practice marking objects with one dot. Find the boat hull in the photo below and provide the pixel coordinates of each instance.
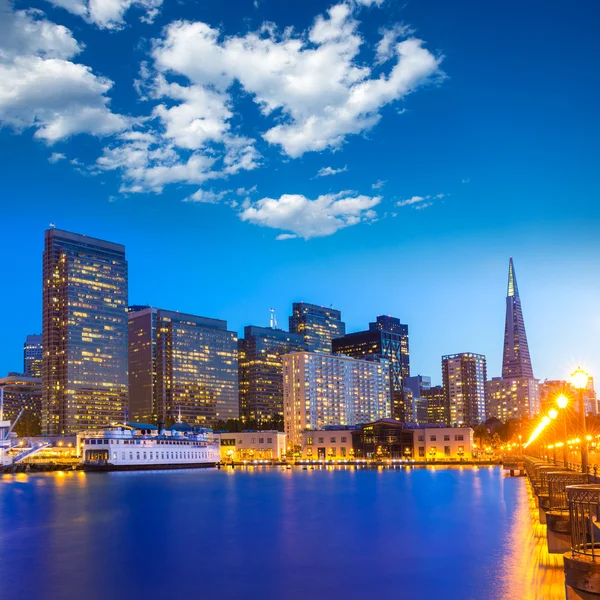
(146, 467)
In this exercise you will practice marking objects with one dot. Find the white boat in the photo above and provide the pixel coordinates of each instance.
(129, 448)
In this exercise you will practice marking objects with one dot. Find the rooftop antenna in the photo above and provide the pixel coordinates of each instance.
(273, 319)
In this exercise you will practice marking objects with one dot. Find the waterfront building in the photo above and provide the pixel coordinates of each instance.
(464, 377)
(443, 443)
(437, 409)
(22, 393)
(32, 356)
(383, 439)
(181, 365)
(517, 393)
(387, 340)
(417, 387)
(84, 333)
(321, 390)
(331, 443)
(252, 445)
(317, 324)
(260, 370)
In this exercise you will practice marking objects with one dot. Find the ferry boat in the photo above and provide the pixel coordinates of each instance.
(132, 447)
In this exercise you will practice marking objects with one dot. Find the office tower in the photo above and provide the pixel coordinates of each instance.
(318, 325)
(181, 364)
(32, 356)
(261, 370)
(386, 339)
(84, 337)
(416, 387)
(464, 377)
(516, 394)
(437, 409)
(22, 393)
(321, 390)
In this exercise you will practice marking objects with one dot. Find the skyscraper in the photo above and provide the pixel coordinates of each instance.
(84, 333)
(181, 364)
(464, 377)
(261, 369)
(22, 393)
(386, 339)
(32, 356)
(516, 393)
(318, 325)
(417, 387)
(321, 390)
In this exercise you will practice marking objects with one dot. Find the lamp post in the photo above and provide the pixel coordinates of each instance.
(562, 402)
(579, 380)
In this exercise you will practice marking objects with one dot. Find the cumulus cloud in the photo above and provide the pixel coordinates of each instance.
(420, 202)
(55, 157)
(326, 171)
(300, 216)
(109, 14)
(41, 87)
(207, 196)
(378, 184)
(386, 47)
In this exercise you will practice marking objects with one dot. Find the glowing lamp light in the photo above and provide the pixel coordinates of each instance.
(562, 401)
(579, 379)
(553, 413)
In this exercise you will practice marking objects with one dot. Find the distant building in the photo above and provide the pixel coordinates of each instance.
(386, 339)
(437, 409)
(551, 389)
(333, 443)
(32, 356)
(181, 364)
(317, 324)
(443, 443)
(517, 393)
(464, 377)
(383, 439)
(84, 333)
(418, 386)
(321, 390)
(252, 445)
(20, 392)
(512, 398)
(261, 370)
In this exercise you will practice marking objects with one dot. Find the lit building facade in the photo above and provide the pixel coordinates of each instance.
(252, 445)
(387, 340)
(437, 409)
(551, 389)
(22, 393)
(416, 387)
(384, 439)
(32, 356)
(334, 443)
(84, 333)
(464, 377)
(443, 443)
(317, 324)
(321, 390)
(261, 370)
(512, 398)
(181, 364)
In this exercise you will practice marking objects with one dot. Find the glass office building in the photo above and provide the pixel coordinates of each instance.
(84, 333)
(317, 324)
(261, 370)
(32, 356)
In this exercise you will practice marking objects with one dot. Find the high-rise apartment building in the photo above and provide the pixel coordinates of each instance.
(417, 387)
(321, 390)
(437, 409)
(516, 394)
(84, 333)
(181, 364)
(317, 324)
(261, 369)
(32, 356)
(22, 393)
(464, 377)
(386, 339)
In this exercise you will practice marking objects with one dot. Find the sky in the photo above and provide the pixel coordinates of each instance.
(378, 156)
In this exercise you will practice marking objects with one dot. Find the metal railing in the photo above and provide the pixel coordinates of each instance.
(557, 484)
(584, 513)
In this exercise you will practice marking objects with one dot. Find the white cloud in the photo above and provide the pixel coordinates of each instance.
(378, 184)
(326, 171)
(41, 88)
(286, 236)
(109, 14)
(241, 191)
(386, 47)
(369, 2)
(207, 196)
(420, 202)
(55, 157)
(300, 216)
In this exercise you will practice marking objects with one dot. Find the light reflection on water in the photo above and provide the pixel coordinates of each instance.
(451, 533)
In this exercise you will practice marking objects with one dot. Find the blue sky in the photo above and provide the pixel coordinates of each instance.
(383, 157)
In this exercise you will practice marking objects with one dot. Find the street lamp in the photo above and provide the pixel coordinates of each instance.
(579, 380)
(562, 402)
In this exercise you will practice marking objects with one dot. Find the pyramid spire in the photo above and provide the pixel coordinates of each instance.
(516, 361)
(513, 289)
